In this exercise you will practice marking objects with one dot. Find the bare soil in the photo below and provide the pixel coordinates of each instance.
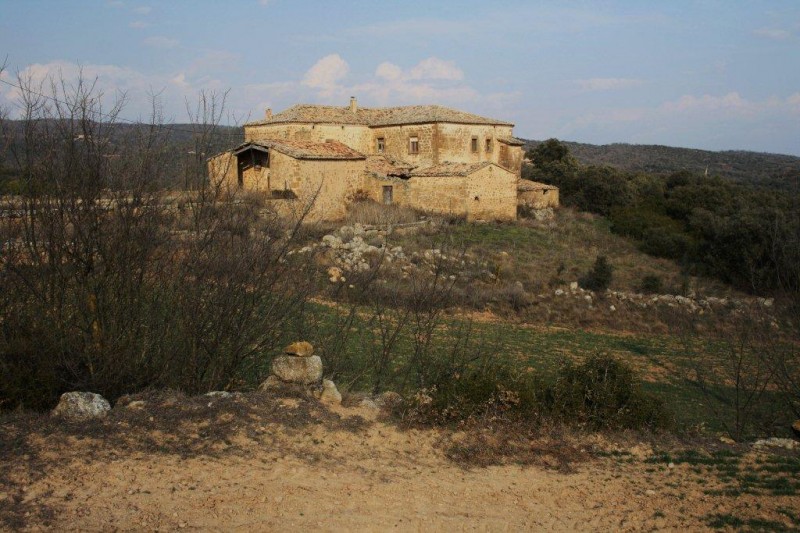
(259, 462)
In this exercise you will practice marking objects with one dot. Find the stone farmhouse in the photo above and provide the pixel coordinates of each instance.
(425, 157)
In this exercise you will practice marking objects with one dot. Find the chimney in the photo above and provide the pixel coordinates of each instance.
(268, 113)
(353, 104)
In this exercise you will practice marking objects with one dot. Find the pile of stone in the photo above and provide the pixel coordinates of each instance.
(299, 366)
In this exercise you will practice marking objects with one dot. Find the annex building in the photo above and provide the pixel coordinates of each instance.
(426, 157)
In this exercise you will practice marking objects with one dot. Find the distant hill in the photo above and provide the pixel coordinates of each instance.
(756, 168)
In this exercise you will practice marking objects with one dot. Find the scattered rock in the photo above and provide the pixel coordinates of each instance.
(294, 369)
(218, 394)
(330, 394)
(300, 349)
(81, 406)
(369, 403)
(136, 404)
(796, 428)
(272, 382)
(775, 442)
(573, 286)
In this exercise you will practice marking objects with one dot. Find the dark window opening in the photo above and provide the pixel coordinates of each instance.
(381, 144)
(387, 194)
(413, 145)
(474, 144)
(488, 145)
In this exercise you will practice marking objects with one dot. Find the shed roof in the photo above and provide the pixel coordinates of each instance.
(528, 185)
(382, 165)
(451, 169)
(304, 149)
(513, 141)
(378, 116)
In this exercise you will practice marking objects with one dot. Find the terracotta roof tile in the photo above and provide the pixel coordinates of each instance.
(450, 169)
(379, 116)
(513, 141)
(381, 165)
(528, 185)
(307, 149)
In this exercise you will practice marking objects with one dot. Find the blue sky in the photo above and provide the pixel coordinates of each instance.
(709, 74)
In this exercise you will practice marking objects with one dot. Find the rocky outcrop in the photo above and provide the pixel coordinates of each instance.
(81, 406)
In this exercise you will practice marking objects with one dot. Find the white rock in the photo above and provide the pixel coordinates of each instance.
(303, 370)
(330, 394)
(775, 442)
(573, 286)
(559, 292)
(82, 406)
(218, 394)
(612, 308)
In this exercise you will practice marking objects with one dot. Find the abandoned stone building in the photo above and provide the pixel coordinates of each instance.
(426, 157)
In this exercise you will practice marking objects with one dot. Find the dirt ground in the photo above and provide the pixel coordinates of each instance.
(259, 463)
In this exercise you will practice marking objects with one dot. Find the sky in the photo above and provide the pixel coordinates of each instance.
(715, 74)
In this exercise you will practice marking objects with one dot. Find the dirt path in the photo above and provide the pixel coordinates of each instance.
(316, 473)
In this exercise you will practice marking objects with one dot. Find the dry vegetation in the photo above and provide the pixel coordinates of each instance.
(114, 285)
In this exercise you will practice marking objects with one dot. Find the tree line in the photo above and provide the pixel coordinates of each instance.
(744, 235)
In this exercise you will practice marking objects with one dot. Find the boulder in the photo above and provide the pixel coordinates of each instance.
(330, 394)
(81, 406)
(294, 369)
(300, 349)
(796, 428)
(389, 400)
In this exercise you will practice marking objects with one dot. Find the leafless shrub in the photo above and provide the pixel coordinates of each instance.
(109, 287)
(744, 366)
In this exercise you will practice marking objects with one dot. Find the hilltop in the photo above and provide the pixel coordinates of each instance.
(756, 168)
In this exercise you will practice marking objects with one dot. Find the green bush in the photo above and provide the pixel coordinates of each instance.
(603, 393)
(599, 277)
(652, 284)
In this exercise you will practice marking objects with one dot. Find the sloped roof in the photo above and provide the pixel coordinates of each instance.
(305, 149)
(513, 141)
(450, 169)
(378, 116)
(528, 185)
(381, 165)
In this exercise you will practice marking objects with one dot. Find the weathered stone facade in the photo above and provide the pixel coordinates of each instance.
(426, 157)
(537, 195)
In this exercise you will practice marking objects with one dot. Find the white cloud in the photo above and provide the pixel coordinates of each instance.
(772, 33)
(389, 71)
(138, 25)
(727, 102)
(113, 82)
(608, 84)
(161, 42)
(326, 73)
(142, 10)
(434, 68)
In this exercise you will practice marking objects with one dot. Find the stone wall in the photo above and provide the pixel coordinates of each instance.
(455, 142)
(397, 140)
(538, 199)
(357, 137)
(491, 194)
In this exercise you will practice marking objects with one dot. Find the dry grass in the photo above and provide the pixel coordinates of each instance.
(372, 213)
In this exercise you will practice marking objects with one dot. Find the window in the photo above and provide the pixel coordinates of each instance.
(381, 144)
(387, 194)
(413, 145)
(474, 144)
(488, 145)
